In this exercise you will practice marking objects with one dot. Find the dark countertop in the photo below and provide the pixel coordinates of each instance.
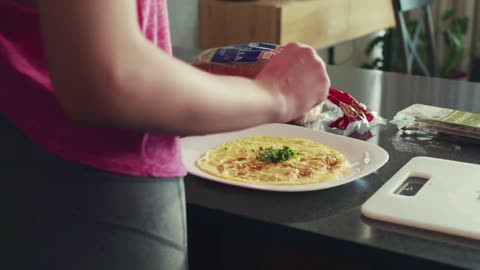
(332, 217)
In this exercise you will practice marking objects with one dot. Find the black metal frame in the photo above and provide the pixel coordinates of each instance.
(408, 43)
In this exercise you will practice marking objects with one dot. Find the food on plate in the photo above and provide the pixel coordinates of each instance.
(274, 160)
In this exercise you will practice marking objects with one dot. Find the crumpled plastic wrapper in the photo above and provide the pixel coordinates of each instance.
(340, 113)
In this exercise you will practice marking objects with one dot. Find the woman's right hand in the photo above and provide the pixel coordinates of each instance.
(297, 75)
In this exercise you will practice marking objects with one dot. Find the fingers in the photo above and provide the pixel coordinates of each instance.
(303, 50)
(299, 75)
(308, 56)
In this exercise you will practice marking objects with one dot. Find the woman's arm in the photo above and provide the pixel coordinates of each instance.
(107, 74)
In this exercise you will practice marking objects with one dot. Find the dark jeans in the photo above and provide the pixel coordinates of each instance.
(61, 215)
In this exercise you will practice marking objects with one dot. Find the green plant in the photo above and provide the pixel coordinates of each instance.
(453, 30)
(388, 59)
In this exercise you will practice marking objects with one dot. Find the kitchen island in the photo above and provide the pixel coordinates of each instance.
(326, 228)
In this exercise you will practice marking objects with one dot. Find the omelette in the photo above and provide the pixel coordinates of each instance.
(274, 160)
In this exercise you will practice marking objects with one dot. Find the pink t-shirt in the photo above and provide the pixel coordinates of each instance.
(28, 99)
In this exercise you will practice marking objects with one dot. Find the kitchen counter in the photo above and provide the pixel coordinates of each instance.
(331, 219)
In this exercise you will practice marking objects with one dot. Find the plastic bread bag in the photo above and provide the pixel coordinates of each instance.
(246, 60)
(340, 113)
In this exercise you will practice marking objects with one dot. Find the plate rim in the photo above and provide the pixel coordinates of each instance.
(380, 154)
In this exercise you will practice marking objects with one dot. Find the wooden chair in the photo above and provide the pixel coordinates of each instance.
(408, 42)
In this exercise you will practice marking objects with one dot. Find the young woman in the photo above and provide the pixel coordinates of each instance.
(92, 104)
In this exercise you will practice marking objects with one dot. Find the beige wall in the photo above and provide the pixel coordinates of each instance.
(184, 22)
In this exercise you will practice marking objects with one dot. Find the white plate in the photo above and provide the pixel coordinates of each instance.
(364, 157)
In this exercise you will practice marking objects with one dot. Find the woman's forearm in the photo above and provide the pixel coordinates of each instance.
(106, 73)
(167, 95)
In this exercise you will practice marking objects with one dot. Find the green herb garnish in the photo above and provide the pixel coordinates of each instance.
(273, 155)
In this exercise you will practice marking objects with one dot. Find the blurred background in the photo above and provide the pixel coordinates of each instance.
(355, 33)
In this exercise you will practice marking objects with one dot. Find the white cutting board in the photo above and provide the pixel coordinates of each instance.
(448, 202)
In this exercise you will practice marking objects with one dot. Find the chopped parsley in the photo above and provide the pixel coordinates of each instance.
(273, 155)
